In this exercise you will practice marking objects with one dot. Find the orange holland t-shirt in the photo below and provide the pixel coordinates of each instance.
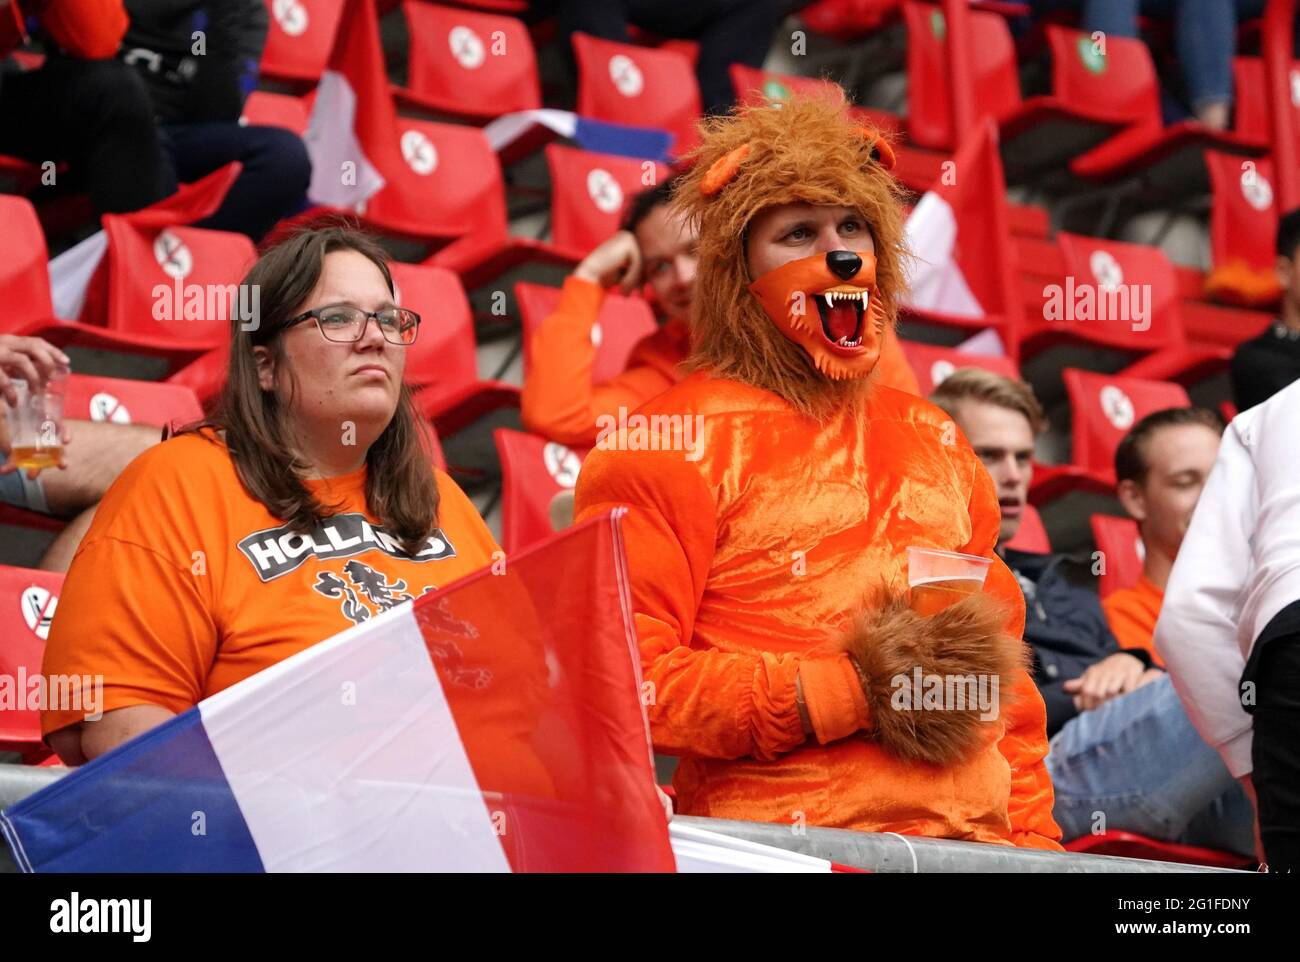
(185, 584)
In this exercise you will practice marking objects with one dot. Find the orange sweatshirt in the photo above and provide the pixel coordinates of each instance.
(1132, 614)
(185, 585)
(750, 562)
(84, 29)
(559, 400)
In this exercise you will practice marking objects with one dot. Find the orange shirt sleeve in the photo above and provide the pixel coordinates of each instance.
(705, 703)
(1024, 742)
(558, 400)
(135, 609)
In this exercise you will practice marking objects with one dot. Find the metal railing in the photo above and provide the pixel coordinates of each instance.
(865, 850)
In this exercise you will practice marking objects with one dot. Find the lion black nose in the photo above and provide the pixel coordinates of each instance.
(843, 264)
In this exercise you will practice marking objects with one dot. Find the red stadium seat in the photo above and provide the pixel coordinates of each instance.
(996, 90)
(931, 363)
(847, 20)
(1102, 407)
(467, 64)
(621, 324)
(141, 261)
(1032, 536)
(197, 268)
(1092, 267)
(24, 273)
(639, 86)
(443, 181)
(442, 365)
(440, 182)
(299, 39)
(533, 472)
(496, 6)
(28, 600)
(143, 250)
(754, 86)
(1120, 544)
(204, 375)
(1131, 845)
(1243, 226)
(1037, 134)
(1169, 161)
(264, 109)
(1250, 103)
(589, 195)
(976, 206)
(1093, 305)
(122, 401)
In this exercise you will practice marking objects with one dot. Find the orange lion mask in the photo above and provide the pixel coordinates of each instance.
(809, 331)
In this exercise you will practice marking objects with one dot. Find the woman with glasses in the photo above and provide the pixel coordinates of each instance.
(307, 503)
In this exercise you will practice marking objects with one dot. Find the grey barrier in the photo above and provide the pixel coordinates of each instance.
(874, 852)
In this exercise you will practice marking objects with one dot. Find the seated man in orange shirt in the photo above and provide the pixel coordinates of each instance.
(767, 550)
(655, 248)
(1161, 466)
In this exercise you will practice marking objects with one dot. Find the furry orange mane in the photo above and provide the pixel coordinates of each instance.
(806, 149)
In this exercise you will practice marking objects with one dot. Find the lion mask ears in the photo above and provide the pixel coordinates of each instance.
(724, 169)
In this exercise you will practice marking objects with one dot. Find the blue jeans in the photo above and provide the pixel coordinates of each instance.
(1205, 34)
(272, 185)
(16, 489)
(1138, 761)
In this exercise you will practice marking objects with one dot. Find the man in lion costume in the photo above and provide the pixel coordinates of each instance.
(768, 561)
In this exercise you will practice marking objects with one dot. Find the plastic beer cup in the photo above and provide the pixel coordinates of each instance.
(36, 423)
(940, 578)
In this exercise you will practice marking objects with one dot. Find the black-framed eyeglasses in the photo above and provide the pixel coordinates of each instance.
(346, 324)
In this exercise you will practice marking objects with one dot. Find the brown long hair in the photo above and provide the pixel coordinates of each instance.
(401, 490)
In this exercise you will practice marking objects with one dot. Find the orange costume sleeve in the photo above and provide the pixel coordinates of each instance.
(1024, 744)
(724, 704)
(558, 399)
(86, 29)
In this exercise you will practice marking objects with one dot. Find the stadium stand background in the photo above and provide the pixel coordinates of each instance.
(1096, 184)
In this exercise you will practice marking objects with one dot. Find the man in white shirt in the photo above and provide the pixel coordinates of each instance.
(1229, 631)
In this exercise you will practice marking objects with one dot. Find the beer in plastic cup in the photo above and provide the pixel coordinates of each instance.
(36, 423)
(939, 578)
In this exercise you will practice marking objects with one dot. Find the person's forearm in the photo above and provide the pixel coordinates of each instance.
(556, 400)
(119, 726)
